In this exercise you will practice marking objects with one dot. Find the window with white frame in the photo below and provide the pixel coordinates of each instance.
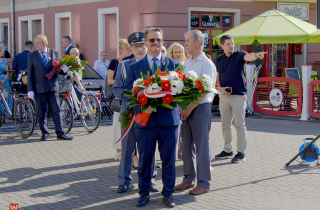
(62, 28)
(29, 27)
(4, 33)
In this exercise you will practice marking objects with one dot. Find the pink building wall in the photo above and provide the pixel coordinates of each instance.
(170, 15)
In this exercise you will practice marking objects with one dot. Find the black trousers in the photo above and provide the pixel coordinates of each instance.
(51, 98)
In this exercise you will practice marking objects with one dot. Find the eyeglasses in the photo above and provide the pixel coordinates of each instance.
(153, 40)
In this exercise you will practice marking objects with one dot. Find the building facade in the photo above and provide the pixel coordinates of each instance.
(97, 25)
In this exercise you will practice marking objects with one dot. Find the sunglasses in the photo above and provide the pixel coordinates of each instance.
(153, 40)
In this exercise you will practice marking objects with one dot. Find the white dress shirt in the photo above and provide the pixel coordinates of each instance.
(202, 65)
(150, 61)
(102, 68)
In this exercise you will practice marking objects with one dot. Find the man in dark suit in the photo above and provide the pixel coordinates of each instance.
(40, 62)
(20, 64)
(67, 44)
(162, 125)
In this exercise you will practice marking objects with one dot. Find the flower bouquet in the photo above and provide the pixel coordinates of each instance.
(164, 87)
(71, 61)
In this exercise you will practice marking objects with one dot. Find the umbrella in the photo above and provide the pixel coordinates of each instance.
(314, 37)
(271, 27)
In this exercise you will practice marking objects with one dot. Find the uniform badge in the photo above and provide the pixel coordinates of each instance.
(137, 35)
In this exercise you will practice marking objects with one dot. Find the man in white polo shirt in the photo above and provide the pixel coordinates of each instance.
(196, 121)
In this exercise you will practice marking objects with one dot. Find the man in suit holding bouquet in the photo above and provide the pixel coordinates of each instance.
(45, 90)
(162, 125)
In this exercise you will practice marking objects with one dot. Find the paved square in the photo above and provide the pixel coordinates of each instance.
(81, 174)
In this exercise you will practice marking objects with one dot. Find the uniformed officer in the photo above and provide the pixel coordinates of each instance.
(128, 144)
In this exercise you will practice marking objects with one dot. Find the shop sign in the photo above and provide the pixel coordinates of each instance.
(275, 97)
(210, 20)
(297, 10)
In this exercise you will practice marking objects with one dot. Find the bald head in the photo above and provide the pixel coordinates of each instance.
(74, 51)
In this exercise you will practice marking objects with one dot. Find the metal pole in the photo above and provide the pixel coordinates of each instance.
(272, 59)
(13, 52)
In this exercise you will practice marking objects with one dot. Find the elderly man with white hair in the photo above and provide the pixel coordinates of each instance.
(196, 121)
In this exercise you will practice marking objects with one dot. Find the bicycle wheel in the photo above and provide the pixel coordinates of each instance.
(90, 110)
(23, 117)
(66, 114)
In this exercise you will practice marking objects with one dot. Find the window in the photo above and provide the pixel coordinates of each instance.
(4, 33)
(29, 27)
(212, 24)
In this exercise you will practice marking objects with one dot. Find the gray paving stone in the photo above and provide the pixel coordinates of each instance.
(81, 174)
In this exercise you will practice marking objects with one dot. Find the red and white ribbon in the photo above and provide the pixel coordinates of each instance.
(127, 130)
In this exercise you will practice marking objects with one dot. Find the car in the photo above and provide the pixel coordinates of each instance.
(89, 75)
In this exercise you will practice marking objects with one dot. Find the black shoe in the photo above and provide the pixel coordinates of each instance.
(224, 155)
(64, 137)
(134, 167)
(168, 200)
(44, 136)
(143, 200)
(157, 166)
(238, 158)
(122, 189)
(154, 188)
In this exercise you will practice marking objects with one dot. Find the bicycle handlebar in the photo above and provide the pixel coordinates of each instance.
(7, 71)
(15, 83)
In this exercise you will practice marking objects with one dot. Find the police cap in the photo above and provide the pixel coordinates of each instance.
(135, 38)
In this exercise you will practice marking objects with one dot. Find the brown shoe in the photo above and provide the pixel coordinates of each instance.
(183, 186)
(199, 191)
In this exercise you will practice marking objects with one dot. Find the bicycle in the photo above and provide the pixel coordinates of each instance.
(22, 110)
(88, 109)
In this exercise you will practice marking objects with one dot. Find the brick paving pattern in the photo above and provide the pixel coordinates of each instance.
(81, 174)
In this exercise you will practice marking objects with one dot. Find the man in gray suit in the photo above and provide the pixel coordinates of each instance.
(128, 144)
(40, 62)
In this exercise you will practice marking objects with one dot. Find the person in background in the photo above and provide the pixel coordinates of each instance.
(4, 81)
(7, 56)
(125, 50)
(43, 89)
(164, 51)
(176, 51)
(20, 64)
(67, 44)
(232, 83)
(77, 77)
(80, 54)
(101, 65)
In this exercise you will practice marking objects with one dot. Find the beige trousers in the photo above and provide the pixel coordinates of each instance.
(232, 107)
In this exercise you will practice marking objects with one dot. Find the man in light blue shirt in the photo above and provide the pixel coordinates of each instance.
(101, 65)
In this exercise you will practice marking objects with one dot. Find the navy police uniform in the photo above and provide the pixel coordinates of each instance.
(128, 144)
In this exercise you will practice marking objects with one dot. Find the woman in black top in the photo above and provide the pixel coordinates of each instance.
(124, 49)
